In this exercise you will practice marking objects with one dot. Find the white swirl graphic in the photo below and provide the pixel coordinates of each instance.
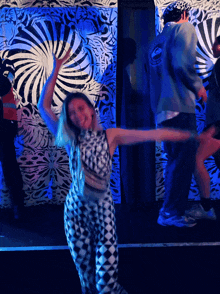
(31, 53)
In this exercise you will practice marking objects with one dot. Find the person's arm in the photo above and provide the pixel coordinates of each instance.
(119, 136)
(202, 94)
(46, 97)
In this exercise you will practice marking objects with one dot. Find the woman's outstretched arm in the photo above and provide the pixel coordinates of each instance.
(46, 97)
(119, 136)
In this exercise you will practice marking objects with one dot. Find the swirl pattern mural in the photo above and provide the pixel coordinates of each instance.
(56, 3)
(205, 17)
(33, 62)
(33, 35)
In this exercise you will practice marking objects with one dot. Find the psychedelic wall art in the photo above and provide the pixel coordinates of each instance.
(30, 32)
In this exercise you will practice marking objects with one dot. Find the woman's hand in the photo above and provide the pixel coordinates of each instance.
(207, 135)
(58, 62)
(202, 94)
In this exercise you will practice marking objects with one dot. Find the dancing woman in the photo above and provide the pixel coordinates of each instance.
(89, 214)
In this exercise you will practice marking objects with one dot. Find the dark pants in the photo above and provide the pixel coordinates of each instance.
(10, 167)
(180, 165)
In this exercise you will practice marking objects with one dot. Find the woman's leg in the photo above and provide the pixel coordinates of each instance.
(205, 150)
(79, 239)
(207, 147)
(106, 249)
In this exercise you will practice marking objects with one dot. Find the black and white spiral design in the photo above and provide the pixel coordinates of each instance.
(211, 5)
(207, 31)
(32, 53)
(30, 34)
(56, 3)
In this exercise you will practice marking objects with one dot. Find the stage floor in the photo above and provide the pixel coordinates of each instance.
(152, 259)
(176, 270)
(43, 226)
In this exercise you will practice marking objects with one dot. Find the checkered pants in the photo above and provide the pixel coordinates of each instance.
(91, 236)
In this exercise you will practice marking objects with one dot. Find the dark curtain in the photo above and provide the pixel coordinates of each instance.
(137, 162)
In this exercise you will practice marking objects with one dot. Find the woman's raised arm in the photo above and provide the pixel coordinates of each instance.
(46, 97)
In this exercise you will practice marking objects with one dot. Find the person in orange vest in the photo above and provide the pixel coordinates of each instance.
(8, 132)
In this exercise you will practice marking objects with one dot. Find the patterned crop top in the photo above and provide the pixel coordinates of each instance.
(96, 163)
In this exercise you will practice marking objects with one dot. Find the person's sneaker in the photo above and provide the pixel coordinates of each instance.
(198, 212)
(177, 221)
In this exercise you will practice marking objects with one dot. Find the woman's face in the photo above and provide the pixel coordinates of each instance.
(80, 114)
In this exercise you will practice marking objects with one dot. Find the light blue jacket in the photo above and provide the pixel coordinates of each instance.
(173, 80)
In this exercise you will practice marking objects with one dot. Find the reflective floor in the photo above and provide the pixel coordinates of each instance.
(153, 260)
(176, 270)
(43, 226)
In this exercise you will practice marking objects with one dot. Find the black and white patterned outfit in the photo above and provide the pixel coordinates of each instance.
(89, 215)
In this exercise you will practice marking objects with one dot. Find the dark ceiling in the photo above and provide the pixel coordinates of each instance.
(137, 4)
